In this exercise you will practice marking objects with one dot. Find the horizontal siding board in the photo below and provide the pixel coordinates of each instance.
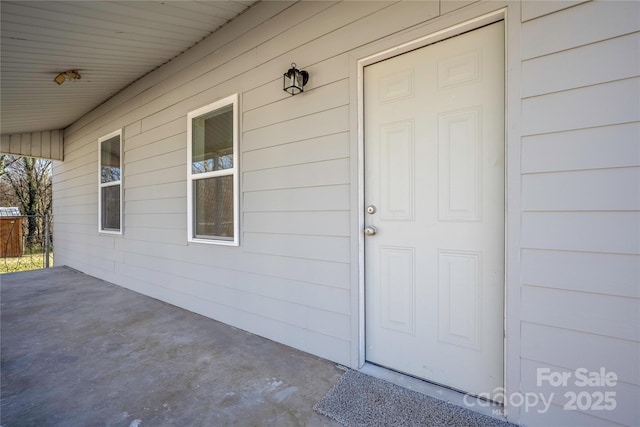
(553, 33)
(79, 150)
(77, 218)
(156, 220)
(612, 274)
(289, 291)
(321, 73)
(91, 209)
(600, 105)
(573, 350)
(132, 129)
(325, 198)
(70, 191)
(155, 148)
(330, 172)
(627, 411)
(87, 170)
(598, 314)
(332, 324)
(315, 125)
(564, 418)
(321, 248)
(582, 66)
(298, 269)
(157, 191)
(613, 232)
(195, 286)
(599, 190)
(320, 344)
(601, 147)
(322, 98)
(151, 179)
(331, 19)
(151, 235)
(447, 6)
(149, 208)
(316, 223)
(168, 129)
(184, 99)
(390, 20)
(79, 200)
(532, 9)
(160, 162)
(328, 147)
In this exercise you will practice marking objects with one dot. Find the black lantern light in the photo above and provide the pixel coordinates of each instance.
(294, 80)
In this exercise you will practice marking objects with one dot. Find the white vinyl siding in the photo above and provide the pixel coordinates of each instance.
(110, 183)
(45, 144)
(581, 202)
(294, 278)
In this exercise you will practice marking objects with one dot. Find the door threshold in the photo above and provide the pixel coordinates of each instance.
(436, 391)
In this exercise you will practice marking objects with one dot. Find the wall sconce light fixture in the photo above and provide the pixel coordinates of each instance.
(294, 80)
(67, 75)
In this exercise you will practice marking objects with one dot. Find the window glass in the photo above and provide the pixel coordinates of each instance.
(110, 160)
(212, 145)
(214, 207)
(111, 208)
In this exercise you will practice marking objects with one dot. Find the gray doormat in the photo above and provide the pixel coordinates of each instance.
(361, 400)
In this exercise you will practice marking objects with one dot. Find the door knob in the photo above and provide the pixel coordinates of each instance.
(370, 230)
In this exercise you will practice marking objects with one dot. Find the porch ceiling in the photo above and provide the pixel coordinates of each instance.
(110, 43)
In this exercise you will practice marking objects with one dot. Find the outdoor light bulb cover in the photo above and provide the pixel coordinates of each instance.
(294, 80)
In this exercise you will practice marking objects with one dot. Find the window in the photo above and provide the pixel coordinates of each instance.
(110, 183)
(212, 173)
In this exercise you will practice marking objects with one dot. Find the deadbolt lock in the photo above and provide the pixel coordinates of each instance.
(371, 209)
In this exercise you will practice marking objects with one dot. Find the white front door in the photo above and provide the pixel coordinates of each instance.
(434, 192)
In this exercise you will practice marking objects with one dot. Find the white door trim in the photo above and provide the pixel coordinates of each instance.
(451, 25)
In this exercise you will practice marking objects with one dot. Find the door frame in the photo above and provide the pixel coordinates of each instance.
(466, 19)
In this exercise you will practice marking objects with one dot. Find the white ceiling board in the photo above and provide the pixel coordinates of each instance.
(110, 43)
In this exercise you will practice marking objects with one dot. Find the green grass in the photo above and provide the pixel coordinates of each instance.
(24, 263)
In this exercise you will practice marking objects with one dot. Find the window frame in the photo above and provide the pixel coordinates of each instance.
(233, 171)
(102, 185)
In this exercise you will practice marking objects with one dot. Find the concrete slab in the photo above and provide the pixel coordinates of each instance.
(78, 351)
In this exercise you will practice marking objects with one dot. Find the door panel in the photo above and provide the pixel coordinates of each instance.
(434, 170)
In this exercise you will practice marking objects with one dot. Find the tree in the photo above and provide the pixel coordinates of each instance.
(5, 161)
(27, 181)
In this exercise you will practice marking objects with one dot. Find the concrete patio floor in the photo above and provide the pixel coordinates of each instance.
(78, 351)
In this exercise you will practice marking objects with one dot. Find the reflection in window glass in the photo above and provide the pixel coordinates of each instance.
(110, 160)
(212, 141)
(213, 200)
(111, 208)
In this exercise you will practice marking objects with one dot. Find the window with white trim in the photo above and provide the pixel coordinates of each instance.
(110, 183)
(212, 173)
